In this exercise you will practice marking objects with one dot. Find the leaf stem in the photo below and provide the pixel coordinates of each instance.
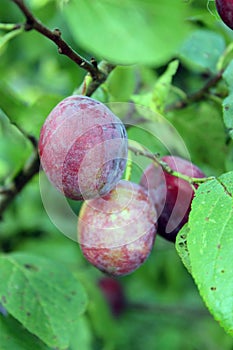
(156, 158)
(9, 26)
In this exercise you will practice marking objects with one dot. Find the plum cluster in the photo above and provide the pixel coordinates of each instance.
(83, 150)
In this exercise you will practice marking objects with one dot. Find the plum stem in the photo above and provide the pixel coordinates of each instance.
(128, 169)
(156, 158)
(98, 75)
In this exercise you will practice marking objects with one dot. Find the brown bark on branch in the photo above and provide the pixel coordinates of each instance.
(8, 194)
(196, 96)
(63, 48)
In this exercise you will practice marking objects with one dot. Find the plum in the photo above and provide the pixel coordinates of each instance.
(83, 148)
(171, 195)
(116, 232)
(225, 11)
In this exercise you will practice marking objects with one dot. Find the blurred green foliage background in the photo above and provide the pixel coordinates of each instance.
(164, 309)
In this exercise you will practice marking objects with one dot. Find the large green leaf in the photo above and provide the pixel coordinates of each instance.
(181, 247)
(202, 50)
(210, 246)
(41, 294)
(128, 31)
(14, 336)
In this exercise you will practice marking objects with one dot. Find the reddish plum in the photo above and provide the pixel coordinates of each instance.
(117, 232)
(83, 148)
(171, 195)
(225, 11)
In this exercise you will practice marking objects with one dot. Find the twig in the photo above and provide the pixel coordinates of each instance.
(55, 36)
(31, 167)
(196, 96)
(156, 158)
(105, 68)
(7, 194)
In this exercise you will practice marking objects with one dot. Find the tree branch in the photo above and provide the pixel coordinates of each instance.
(63, 48)
(105, 68)
(196, 96)
(8, 193)
(30, 168)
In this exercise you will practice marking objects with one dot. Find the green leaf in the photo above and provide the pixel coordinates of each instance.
(41, 294)
(64, 249)
(181, 247)
(14, 336)
(202, 50)
(22, 112)
(7, 26)
(210, 245)
(121, 83)
(4, 121)
(128, 31)
(163, 85)
(82, 336)
(157, 98)
(7, 37)
(40, 3)
(14, 147)
(10, 102)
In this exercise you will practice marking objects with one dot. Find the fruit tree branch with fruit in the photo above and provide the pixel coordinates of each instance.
(133, 154)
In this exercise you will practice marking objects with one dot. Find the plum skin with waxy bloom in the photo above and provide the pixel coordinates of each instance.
(117, 232)
(83, 148)
(172, 196)
(225, 11)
